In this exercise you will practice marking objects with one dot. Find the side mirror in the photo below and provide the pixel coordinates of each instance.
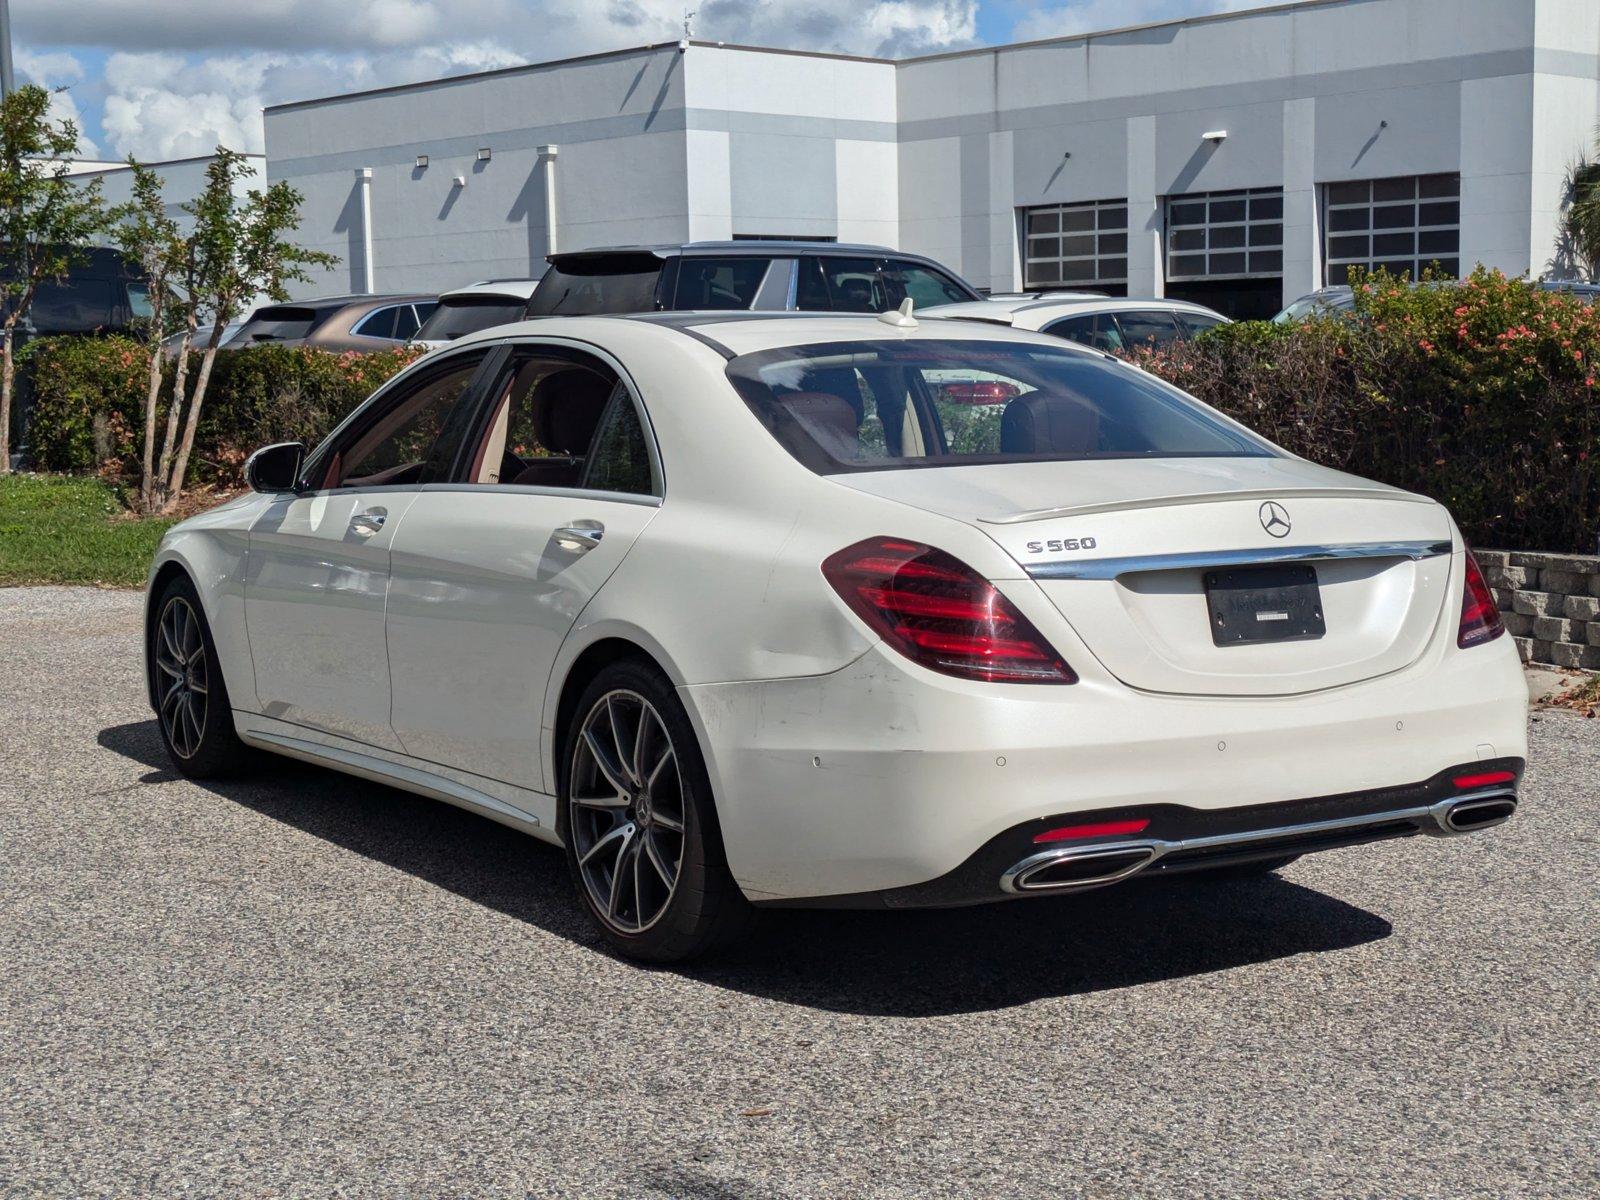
(275, 468)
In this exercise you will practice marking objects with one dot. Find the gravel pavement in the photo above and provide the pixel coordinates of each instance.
(308, 985)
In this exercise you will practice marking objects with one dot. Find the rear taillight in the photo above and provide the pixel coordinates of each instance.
(1480, 616)
(939, 612)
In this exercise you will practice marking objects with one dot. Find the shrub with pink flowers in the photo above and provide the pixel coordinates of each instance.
(1484, 395)
(88, 394)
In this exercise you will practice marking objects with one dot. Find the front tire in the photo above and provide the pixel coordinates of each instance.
(638, 823)
(192, 706)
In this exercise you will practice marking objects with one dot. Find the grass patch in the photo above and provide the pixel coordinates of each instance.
(70, 530)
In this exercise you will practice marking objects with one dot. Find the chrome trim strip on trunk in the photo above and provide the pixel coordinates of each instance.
(1432, 819)
(1287, 495)
(1110, 568)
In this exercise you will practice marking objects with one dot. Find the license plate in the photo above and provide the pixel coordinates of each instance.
(1264, 604)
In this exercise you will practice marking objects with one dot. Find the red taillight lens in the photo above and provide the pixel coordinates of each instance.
(1464, 782)
(1480, 617)
(939, 612)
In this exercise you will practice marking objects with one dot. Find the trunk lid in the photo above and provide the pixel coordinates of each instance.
(1122, 549)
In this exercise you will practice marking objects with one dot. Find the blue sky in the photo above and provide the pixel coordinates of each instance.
(171, 78)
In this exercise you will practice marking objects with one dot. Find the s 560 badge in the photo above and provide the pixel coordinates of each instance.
(1057, 545)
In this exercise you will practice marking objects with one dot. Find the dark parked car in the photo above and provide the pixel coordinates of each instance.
(764, 275)
(101, 293)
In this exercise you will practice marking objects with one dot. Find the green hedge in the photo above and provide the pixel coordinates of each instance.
(1484, 396)
(89, 397)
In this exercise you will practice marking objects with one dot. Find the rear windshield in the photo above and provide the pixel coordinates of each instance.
(611, 284)
(458, 316)
(281, 323)
(873, 406)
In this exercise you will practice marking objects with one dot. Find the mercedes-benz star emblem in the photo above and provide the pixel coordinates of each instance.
(1275, 519)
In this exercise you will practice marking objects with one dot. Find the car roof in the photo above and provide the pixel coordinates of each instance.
(329, 302)
(744, 246)
(1003, 309)
(517, 289)
(732, 334)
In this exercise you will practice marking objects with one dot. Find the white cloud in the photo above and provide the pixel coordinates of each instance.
(183, 78)
(1087, 16)
(57, 71)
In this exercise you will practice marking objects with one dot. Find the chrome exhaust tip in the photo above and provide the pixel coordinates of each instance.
(1480, 812)
(1079, 867)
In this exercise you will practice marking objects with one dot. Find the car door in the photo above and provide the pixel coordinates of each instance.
(317, 570)
(490, 574)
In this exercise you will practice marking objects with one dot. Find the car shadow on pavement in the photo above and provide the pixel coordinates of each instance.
(906, 964)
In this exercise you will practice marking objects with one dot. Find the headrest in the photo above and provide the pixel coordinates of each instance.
(1049, 423)
(827, 418)
(567, 406)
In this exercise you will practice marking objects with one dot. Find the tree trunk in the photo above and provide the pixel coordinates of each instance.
(159, 498)
(180, 467)
(8, 374)
(147, 482)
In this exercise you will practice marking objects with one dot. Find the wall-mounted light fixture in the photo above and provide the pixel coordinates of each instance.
(460, 181)
(1066, 156)
(422, 162)
(1214, 136)
(483, 153)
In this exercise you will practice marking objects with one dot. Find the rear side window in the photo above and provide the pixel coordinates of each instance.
(620, 459)
(379, 323)
(612, 283)
(76, 306)
(880, 405)
(458, 316)
(719, 283)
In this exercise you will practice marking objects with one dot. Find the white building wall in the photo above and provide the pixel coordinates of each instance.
(621, 171)
(939, 154)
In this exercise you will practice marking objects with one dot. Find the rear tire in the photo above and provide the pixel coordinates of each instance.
(638, 822)
(192, 706)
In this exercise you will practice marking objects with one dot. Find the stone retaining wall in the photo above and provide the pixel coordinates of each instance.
(1550, 603)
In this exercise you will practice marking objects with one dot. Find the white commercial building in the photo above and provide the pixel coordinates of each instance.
(1240, 159)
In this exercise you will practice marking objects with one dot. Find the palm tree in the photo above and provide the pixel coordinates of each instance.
(1581, 223)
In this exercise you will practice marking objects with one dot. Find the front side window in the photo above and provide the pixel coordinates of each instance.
(923, 286)
(1098, 330)
(1148, 329)
(412, 435)
(841, 284)
(868, 406)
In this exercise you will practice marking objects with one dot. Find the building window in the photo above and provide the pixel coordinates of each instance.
(1402, 225)
(1076, 246)
(1225, 235)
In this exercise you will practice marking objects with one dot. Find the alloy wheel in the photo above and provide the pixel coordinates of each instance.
(184, 677)
(626, 810)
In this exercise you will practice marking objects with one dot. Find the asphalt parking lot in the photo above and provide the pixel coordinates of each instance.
(309, 985)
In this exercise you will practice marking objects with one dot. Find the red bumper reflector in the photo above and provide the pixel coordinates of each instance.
(1069, 833)
(1484, 780)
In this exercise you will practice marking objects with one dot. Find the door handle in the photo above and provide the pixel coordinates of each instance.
(579, 538)
(368, 523)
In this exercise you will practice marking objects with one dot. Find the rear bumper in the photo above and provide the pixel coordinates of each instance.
(882, 777)
(1176, 838)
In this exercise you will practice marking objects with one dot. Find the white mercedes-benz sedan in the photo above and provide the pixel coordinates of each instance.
(853, 611)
